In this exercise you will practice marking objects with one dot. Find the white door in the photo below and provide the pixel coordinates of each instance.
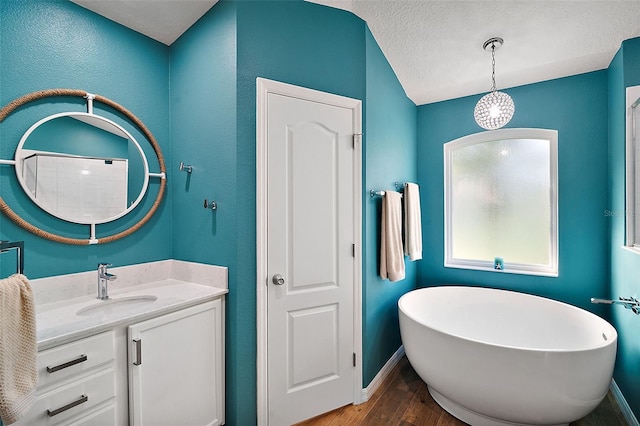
(311, 266)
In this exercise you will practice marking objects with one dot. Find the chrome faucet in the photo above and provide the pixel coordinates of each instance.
(103, 278)
(628, 302)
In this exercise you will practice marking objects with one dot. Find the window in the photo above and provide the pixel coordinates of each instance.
(501, 201)
(632, 155)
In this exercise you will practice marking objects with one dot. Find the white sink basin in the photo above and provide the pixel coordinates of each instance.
(115, 306)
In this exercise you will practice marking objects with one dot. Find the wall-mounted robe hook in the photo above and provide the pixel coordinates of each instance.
(185, 168)
(210, 204)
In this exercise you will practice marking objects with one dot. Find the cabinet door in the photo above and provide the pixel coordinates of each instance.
(176, 368)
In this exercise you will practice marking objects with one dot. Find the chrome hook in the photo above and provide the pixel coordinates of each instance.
(210, 204)
(185, 168)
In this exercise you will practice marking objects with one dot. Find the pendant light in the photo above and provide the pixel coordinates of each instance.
(495, 109)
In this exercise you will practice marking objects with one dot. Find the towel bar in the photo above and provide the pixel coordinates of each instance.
(18, 245)
(399, 188)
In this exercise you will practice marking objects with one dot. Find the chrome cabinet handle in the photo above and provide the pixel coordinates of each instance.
(81, 400)
(81, 358)
(138, 344)
(278, 279)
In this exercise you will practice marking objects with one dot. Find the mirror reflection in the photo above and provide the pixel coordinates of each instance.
(81, 167)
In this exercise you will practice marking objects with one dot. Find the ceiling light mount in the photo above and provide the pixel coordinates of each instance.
(495, 109)
(494, 43)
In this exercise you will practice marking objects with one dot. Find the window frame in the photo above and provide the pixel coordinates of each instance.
(632, 217)
(550, 269)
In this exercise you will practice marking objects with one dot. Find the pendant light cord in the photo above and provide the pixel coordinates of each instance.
(493, 66)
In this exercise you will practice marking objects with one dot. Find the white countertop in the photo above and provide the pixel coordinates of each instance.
(57, 319)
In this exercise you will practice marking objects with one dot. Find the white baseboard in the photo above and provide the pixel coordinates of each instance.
(382, 374)
(624, 406)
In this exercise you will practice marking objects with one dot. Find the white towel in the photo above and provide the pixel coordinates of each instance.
(18, 347)
(412, 222)
(391, 257)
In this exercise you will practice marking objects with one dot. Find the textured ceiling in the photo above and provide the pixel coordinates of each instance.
(435, 46)
(162, 20)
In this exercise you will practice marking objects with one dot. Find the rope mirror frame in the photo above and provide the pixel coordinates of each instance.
(5, 209)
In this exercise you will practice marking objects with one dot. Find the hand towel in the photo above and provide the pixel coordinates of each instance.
(412, 222)
(18, 347)
(391, 256)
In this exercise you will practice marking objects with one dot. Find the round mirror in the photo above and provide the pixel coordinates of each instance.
(81, 167)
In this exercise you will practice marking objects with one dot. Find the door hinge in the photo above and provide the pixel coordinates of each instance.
(353, 250)
(354, 138)
(354, 359)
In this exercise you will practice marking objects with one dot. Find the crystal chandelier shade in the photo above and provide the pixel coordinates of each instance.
(495, 109)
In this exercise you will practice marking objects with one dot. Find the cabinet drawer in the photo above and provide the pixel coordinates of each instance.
(103, 417)
(65, 361)
(71, 400)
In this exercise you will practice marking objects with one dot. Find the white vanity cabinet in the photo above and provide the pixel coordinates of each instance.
(176, 368)
(76, 384)
(165, 370)
(173, 374)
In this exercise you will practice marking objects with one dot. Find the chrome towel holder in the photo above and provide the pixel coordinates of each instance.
(399, 188)
(628, 302)
(17, 245)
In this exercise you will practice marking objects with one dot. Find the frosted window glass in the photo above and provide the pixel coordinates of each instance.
(501, 203)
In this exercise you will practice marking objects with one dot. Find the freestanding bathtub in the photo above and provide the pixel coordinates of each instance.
(496, 357)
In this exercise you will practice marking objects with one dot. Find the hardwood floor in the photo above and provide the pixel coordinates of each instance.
(403, 400)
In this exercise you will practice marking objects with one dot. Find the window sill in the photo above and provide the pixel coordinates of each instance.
(635, 250)
(507, 270)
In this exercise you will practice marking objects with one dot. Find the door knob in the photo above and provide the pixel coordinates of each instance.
(278, 279)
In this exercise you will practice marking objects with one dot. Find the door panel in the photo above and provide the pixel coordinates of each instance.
(313, 186)
(316, 361)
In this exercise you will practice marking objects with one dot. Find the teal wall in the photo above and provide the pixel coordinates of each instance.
(576, 107)
(198, 99)
(203, 134)
(221, 56)
(298, 43)
(389, 156)
(57, 44)
(624, 71)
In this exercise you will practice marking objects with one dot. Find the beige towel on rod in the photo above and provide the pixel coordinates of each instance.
(391, 256)
(18, 347)
(412, 222)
